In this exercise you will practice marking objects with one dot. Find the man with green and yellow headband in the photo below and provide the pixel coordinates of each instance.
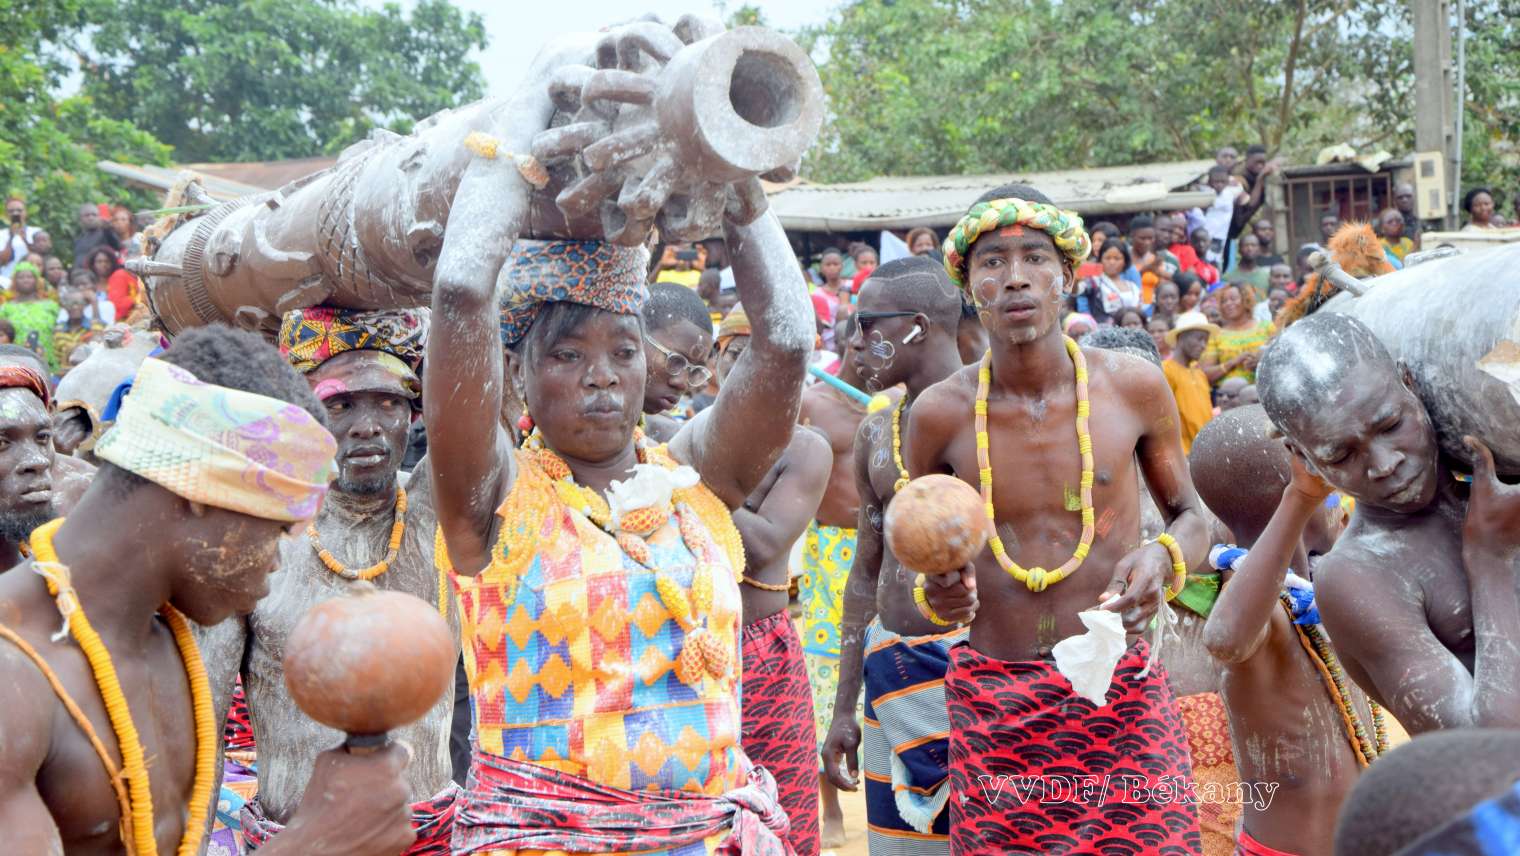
(1055, 441)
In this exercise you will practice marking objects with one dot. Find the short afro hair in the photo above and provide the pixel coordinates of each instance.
(1394, 804)
(670, 302)
(1125, 339)
(919, 284)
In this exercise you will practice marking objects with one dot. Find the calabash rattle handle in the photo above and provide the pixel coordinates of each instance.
(366, 744)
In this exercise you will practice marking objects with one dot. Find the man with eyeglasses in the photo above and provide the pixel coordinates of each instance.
(678, 339)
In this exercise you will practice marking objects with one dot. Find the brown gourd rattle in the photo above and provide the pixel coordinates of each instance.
(936, 524)
(369, 662)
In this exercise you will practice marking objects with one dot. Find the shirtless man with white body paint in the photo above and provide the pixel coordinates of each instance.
(1419, 594)
(368, 393)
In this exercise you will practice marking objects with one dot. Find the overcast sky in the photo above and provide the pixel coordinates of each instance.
(517, 28)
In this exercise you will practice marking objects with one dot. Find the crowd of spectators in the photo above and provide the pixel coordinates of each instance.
(55, 302)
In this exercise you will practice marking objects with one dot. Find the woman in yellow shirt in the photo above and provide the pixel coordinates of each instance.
(1234, 349)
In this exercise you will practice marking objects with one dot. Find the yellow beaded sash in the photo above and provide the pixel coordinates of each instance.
(134, 765)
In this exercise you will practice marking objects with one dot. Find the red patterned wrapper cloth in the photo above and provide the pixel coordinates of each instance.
(777, 727)
(432, 819)
(514, 805)
(1035, 768)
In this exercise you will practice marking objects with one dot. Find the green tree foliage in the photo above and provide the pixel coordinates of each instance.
(230, 80)
(49, 145)
(923, 87)
(1491, 137)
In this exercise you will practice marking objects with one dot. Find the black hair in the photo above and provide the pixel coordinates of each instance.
(1173, 283)
(9, 330)
(115, 260)
(1108, 229)
(1330, 212)
(670, 302)
(1240, 470)
(1014, 190)
(1219, 169)
(1141, 221)
(1125, 339)
(831, 251)
(1117, 244)
(1255, 149)
(1469, 196)
(919, 284)
(1306, 251)
(79, 272)
(1129, 310)
(236, 359)
(13, 353)
(1394, 803)
(968, 310)
(1184, 281)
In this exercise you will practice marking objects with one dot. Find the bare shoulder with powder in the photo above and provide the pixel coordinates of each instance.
(1374, 594)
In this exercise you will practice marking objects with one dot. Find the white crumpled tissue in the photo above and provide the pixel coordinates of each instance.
(651, 487)
(1088, 661)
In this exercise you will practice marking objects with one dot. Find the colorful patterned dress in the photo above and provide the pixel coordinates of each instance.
(827, 554)
(583, 660)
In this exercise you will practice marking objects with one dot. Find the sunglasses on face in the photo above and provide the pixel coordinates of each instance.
(676, 365)
(866, 319)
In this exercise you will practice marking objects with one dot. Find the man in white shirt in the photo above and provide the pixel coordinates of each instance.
(18, 238)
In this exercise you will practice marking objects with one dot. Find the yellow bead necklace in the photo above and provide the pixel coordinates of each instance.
(1038, 579)
(397, 530)
(902, 471)
(134, 768)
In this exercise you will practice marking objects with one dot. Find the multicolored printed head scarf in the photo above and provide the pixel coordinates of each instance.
(345, 350)
(1063, 227)
(736, 323)
(221, 447)
(594, 273)
(310, 337)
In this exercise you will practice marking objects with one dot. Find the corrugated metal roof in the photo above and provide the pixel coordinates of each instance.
(163, 177)
(887, 202)
(897, 202)
(269, 175)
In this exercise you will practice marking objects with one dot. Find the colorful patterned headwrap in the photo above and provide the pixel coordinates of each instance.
(1064, 227)
(736, 323)
(26, 377)
(593, 273)
(221, 447)
(310, 337)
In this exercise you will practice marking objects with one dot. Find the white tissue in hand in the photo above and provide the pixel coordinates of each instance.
(651, 487)
(1088, 660)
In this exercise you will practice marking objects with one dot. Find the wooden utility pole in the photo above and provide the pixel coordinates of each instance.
(1435, 125)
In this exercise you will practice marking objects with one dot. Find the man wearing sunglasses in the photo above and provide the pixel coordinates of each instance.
(678, 338)
(908, 318)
